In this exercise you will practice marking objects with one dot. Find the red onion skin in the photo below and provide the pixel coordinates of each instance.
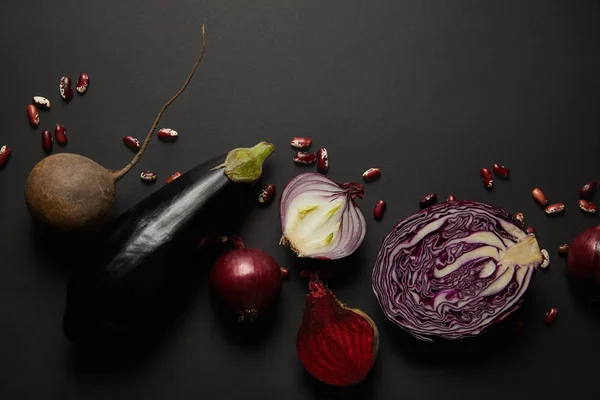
(583, 260)
(337, 345)
(246, 281)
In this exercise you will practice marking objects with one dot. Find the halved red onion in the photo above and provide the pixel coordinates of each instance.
(452, 270)
(319, 218)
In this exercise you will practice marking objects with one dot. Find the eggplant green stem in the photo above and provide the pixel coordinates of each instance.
(244, 165)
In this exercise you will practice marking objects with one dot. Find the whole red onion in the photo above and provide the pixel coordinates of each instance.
(584, 257)
(246, 281)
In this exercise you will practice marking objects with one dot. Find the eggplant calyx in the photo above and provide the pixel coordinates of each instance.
(244, 165)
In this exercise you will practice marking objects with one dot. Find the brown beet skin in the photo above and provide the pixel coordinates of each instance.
(69, 191)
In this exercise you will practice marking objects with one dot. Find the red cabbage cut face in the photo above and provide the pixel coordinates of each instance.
(452, 270)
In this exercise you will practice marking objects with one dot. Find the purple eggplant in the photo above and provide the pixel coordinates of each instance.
(144, 255)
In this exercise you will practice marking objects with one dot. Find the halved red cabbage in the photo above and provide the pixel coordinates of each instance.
(453, 269)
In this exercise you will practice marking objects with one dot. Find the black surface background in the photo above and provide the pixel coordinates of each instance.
(428, 90)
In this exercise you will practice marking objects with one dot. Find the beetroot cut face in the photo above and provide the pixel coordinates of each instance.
(336, 344)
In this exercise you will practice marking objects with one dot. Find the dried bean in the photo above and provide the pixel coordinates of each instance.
(530, 230)
(487, 178)
(148, 176)
(587, 190)
(555, 208)
(173, 177)
(322, 160)
(60, 133)
(451, 198)
(587, 207)
(428, 200)
(305, 158)
(33, 115)
(520, 219)
(41, 102)
(267, 194)
(82, 83)
(4, 155)
(372, 174)
(501, 171)
(66, 91)
(550, 316)
(167, 134)
(132, 143)
(301, 143)
(47, 141)
(545, 259)
(563, 250)
(539, 197)
(379, 209)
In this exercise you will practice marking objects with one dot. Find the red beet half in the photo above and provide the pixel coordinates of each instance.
(337, 345)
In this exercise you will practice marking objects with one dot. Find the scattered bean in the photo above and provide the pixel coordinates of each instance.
(530, 230)
(563, 250)
(539, 197)
(555, 208)
(428, 200)
(167, 134)
(322, 160)
(47, 140)
(487, 178)
(33, 115)
(285, 273)
(551, 315)
(173, 177)
(267, 194)
(372, 174)
(501, 171)
(132, 143)
(82, 83)
(4, 155)
(148, 176)
(41, 102)
(301, 143)
(587, 190)
(451, 198)
(60, 133)
(545, 259)
(587, 207)
(305, 158)
(520, 219)
(379, 209)
(66, 91)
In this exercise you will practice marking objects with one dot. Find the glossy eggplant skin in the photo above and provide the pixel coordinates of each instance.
(141, 257)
